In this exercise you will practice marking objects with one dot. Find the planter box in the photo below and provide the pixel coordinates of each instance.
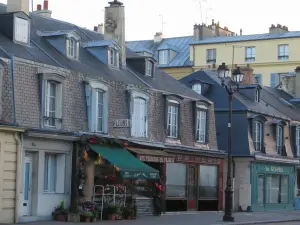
(60, 218)
(112, 217)
(74, 218)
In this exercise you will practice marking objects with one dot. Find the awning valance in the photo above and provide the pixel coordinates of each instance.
(130, 166)
(151, 155)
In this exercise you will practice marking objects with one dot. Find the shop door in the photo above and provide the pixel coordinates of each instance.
(26, 203)
(192, 187)
(261, 191)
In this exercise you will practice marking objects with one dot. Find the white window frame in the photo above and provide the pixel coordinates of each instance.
(279, 138)
(201, 124)
(100, 117)
(173, 119)
(258, 135)
(250, 54)
(298, 140)
(136, 130)
(211, 56)
(283, 52)
(149, 68)
(256, 95)
(197, 88)
(72, 49)
(21, 30)
(113, 57)
(57, 119)
(163, 57)
(48, 166)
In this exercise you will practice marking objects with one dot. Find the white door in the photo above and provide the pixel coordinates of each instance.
(26, 203)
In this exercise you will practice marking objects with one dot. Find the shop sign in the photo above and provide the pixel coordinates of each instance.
(120, 123)
(157, 159)
(275, 169)
(196, 159)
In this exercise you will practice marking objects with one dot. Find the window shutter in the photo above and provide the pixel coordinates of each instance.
(59, 105)
(166, 117)
(67, 46)
(88, 99)
(274, 79)
(105, 112)
(108, 57)
(274, 131)
(118, 59)
(194, 109)
(207, 127)
(60, 173)
(77, 50)
(146, 118)
(179, 123)
(293, 140)
(93, 122)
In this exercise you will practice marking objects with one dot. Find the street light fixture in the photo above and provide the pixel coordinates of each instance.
(231, 85)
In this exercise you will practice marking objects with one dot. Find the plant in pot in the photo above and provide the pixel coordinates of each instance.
(126, 212)
(60, 213)
(87, 216)
(133, 212)
(95, 215)
(113, 211)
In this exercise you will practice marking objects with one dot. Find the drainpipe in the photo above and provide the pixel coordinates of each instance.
(17, 193)
(193, 58)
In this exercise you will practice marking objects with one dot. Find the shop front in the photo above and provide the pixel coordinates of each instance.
(194, 183)
(272, 186)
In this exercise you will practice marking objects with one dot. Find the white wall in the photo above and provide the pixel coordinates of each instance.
(43, 203)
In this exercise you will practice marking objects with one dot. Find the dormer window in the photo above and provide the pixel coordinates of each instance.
(256, 99)
(21, 30)
(149, 68)
(72, 48)
(163, 57)
(197, 88)
(113, 57)
(72, 45)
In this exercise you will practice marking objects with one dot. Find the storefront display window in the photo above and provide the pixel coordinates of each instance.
(176, 180)
(260, 198)
(276, 188)
(208, 181)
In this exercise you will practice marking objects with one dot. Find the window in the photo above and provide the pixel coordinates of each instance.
(176, 182)
(149, 68)
(208, 181)
(163, 57)
(279, 139)
(72, 48)
(277, 188)
(21, 30)
(274, 80)
(50, 173)
(139, 118)
(298, 141)
(51, 103)
(283, 52)
(250, 54)
(100, 111)
(114, 57)
(211, 56)
(256, 95)
(201, 125)
(173, 118)
(257, 135)
(197, 88)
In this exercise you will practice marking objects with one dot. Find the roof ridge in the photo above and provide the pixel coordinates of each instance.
(190, 36)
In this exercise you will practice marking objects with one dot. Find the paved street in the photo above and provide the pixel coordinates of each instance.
(206, 218)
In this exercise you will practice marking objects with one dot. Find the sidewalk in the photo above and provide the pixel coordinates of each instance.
(200, 218)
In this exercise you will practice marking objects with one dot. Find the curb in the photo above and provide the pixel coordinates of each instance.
(258, 222)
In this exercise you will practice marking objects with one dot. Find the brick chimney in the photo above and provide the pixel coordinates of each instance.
(248, 74)
(114, 28)
(297, 70)
(158, 37)
(45, 12)
(278, 29)
(18, 5)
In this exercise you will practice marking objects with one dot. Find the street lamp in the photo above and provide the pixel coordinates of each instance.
(231, 85)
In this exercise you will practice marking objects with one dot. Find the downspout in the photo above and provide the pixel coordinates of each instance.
(193, 58)
(18, 168)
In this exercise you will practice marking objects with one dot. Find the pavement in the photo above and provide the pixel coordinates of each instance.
(203, 218)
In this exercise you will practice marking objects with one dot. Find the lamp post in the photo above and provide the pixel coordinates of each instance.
(231, 85)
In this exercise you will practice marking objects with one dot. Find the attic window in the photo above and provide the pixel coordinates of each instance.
(113, 58)
(163, 57)
(21, 30)
(149, 68)
(256, 95)
(197, 88)
(73, 48)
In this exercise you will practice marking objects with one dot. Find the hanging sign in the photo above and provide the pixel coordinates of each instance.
(120, 123)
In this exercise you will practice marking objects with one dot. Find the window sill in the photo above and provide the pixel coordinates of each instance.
(53, 193)
(173, 140)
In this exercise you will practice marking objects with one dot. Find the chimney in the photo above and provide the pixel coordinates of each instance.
(95, 28)
(278, 29)
(248, 75)
(45, 12)
(101, 28)
(297, 70)
(241, 31)
(197, 32)
(18, 5)
(158, 37)
(114, 28)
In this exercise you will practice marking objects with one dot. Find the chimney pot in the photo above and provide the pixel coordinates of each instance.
(46, 4)
(95, 28)
(39, 7)
(241, 31)
(213, 22)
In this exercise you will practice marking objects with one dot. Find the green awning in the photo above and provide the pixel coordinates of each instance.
(130, 166)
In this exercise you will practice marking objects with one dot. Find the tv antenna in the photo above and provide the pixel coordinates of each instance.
(162, 23)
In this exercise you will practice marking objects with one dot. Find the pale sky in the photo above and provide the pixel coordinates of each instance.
(143, 17)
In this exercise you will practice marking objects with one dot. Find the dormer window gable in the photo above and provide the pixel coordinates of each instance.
(251, 91)
(65, 41)
(16, 26)
(149, 67)
(107, 51)
(165, 56)
(200, 86)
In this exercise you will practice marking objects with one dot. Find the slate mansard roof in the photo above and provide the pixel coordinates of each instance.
(42, 52)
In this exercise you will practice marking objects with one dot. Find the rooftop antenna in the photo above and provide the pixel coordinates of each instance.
(201, 12)
(206, 14)
(233, 51)
(162, 23)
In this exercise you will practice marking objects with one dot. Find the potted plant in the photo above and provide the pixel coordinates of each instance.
(134, 212)
(87, 216)
(126, 212)
(60, 213)
(113, 211)
(95, 216)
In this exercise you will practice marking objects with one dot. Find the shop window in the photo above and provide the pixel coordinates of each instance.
(277, 189)
(298, 183)
(176, 180)
(208, 182)
(298, 141)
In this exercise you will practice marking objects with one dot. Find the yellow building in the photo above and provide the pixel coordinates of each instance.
(271, 55)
